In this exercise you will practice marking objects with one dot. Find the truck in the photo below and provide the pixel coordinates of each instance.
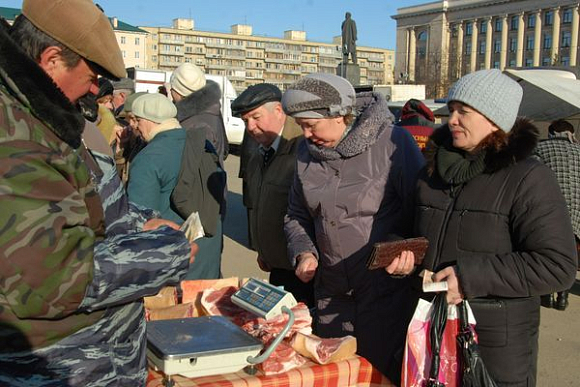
(149, 80)
(397, 93)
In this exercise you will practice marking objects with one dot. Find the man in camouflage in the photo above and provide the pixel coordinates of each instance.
(73, 267)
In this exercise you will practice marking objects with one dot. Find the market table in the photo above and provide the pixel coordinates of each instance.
(356, 371)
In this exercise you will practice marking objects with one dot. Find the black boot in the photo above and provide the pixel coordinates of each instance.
(547, 300)
(561, 301)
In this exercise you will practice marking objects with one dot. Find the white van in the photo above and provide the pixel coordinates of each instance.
(149, 80)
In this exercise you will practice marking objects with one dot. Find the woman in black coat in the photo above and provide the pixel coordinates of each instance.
(497, 223)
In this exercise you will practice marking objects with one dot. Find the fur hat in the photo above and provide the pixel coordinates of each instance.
(492, 93)
(319, 95)
(80, 26)
(124, 84)
(187, 78)
(154, 107)
(105, 87)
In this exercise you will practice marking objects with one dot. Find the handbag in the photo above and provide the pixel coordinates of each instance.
(475, 374)
(441, 348)
(431, 353)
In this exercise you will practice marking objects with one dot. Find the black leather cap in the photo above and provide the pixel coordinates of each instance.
(254, 97)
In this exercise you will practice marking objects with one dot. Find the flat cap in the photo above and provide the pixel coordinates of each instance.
(80, 26)
(124, 83)
(254, 97)
(154, 107)
(319, 95)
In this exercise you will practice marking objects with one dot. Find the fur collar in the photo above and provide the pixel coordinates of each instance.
(374, 117)
(35, 89)
(199, 101)
(520, 144)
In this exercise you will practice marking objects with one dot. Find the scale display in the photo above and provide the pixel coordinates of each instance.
(263, 299)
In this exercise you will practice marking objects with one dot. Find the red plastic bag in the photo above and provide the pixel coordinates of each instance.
(419, 352)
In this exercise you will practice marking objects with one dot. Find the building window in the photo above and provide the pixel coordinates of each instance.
(513, 44)
(565, 61)
(483, 27)
(468, 48)
(549, 18)
(498, 24)
(124, 54)
(497, 45)
(496, 65)
(529, 62)
(566, 38)
(546, 61)
(531, 20)
(514, 23)
(547, 41)
(122, 40)
(137, 40)
(567, 16)
(530, 43)
(513, 63)
(154, 58)
(468, 29)
(136, 54)
(482, 46)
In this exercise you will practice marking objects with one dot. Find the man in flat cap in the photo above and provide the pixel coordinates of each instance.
(73, 268)
(268, 177)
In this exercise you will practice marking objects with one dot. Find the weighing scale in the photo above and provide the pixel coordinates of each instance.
(212, 345)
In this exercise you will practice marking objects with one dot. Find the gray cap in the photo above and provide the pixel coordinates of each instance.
(124, 84)
(319, 95)
(492, 93)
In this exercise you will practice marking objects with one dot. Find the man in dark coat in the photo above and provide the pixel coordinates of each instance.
(561, 152)
(198, 105)
(268, 177)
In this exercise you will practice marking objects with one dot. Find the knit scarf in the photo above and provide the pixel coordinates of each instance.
(457, 167)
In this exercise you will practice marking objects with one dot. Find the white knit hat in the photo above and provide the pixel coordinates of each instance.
(187, 78)
(154, 107)
(492, 93)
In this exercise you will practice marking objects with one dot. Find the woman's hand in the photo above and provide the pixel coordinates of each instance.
(155, 223)
(454, 292)
(403, 264)
(306, 268)
(194, 249)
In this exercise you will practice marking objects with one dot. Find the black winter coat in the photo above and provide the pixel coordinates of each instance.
(508, 232)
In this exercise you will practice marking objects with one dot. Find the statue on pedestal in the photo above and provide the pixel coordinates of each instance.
(348, 39)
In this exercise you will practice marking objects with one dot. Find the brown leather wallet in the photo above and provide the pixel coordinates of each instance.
(385, 252)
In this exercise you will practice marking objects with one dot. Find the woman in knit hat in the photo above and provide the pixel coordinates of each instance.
(353, 185)
(498, 226)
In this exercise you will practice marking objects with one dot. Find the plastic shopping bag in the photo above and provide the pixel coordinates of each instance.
(432, 356)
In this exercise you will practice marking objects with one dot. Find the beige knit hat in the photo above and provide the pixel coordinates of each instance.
(80, 26)
(154, 107)
(187, 79)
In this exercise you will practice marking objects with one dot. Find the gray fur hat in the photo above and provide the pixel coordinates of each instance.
(492, 93)
(319, 95)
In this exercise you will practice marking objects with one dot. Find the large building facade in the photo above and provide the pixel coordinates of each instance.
(438, 42)
(247, 59)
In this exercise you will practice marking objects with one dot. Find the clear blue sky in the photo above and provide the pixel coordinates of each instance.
(320, 19)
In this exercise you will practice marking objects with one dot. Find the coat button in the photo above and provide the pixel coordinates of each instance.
(332, 223)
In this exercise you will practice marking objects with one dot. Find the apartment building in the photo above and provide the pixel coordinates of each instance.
(247, 59)
(438, 42)
(132, 42)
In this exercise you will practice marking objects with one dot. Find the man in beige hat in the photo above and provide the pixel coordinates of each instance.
(73, 268)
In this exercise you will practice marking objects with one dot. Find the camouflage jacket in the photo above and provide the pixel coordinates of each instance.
(71, 310)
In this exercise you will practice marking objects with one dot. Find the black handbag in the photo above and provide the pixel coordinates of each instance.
(438, 322)
(475, 374)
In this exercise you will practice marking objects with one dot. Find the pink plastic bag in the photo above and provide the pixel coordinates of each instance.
(417, 359)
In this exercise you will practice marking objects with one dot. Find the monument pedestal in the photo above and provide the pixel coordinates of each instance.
(350, 71)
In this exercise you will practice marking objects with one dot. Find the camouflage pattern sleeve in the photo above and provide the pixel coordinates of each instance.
(135, 265)
(46, 242)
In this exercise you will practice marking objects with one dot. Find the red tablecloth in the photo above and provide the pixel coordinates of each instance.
(356, 371)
